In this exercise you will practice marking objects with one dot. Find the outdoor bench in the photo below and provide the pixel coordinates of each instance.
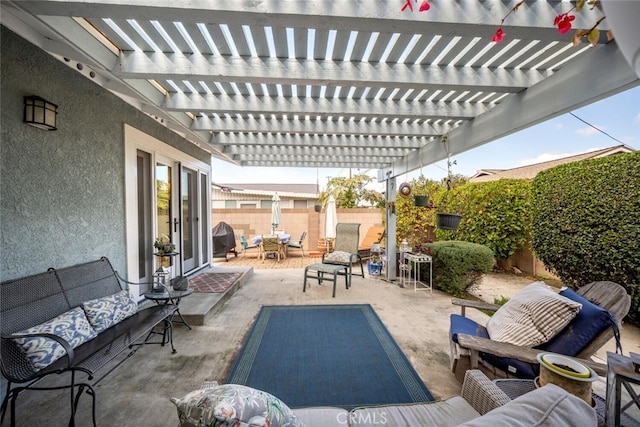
(70, 321)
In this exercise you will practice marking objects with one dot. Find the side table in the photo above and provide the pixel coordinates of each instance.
(515, 388)
(164, 298)
(418, 260)
(620, 372)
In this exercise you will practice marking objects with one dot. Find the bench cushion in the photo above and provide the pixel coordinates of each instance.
(450, 412)
(107, 311)
(72, 326)
(533, 316)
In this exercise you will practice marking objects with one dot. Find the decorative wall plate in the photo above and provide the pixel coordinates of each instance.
(404, 190)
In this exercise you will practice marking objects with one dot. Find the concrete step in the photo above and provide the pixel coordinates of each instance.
(198, 308)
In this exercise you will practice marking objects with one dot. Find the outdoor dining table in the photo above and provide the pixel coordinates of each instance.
(284, 238)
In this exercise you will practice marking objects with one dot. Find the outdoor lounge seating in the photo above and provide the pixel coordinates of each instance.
(602, 306)
(481, 403)
(345, 248)
(70, 321)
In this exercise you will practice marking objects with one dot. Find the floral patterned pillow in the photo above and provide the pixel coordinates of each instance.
(105, 312)
(234, 405)
(338, 257)
(41, 352)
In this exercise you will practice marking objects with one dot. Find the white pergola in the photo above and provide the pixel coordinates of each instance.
(332, 83)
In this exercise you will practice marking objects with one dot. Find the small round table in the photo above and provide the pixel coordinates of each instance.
(170, 297)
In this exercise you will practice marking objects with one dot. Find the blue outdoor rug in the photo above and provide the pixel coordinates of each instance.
(326, 355)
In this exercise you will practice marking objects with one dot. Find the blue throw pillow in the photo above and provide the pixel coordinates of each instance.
(588, 324)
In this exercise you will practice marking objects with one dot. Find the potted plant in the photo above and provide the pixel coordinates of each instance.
(448, 221)
(164, 246)
(374, 264)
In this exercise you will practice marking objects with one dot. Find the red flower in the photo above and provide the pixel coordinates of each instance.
(407, 5)
(424, 6)
(497, 38)
(563, 22)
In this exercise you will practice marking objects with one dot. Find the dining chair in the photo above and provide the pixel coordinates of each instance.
(271, 245)
(245, 245)
(299, 244)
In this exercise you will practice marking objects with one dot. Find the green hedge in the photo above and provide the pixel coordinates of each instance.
(586, 222)
(495, 214)
(457, 265)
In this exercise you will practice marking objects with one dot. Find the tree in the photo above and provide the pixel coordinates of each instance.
(352, 192)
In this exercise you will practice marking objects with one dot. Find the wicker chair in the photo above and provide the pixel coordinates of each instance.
(345, 248)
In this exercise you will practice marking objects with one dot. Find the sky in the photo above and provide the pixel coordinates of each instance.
(618, 116)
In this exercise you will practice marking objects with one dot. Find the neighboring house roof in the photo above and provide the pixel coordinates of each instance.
(298, 191)
(530, 171)
(287, 188)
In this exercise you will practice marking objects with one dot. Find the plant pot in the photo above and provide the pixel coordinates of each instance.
(317, 208)
(421, 201)
(568, 373)
(448, 221)
(374, 268)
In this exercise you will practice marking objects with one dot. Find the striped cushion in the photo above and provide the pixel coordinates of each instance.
(532, 317)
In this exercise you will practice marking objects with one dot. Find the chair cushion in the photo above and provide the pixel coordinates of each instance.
(533, 316)
(449, 412)
(463, 325)
(546, 406)
(233, 405)
(105, 312)
(584, 328)
(338, 257)
(41, 352)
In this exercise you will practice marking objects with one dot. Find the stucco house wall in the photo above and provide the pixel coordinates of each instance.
(62, 192)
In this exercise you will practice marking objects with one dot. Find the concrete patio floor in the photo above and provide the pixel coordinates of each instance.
(138, 392)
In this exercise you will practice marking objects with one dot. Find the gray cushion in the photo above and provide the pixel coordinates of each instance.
(547, 406)
(322, 416)
(450, 412)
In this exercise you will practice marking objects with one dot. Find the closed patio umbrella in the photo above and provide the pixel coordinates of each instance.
(331, 219)
(276, 213)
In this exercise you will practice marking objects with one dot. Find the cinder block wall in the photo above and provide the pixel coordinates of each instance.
(252, 222)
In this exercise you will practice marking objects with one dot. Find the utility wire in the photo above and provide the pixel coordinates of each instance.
(599, 130)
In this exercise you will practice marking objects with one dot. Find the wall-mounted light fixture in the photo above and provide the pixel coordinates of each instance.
(40, 113)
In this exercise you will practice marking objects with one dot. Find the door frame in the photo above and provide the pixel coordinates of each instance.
(134, 140)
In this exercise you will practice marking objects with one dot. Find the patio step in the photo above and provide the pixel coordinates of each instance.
(200, 309)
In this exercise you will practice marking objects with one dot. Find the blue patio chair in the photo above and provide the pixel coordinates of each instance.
(299, 244)
(245, 245)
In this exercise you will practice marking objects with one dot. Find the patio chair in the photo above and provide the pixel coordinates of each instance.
(299, 244)
(245, 245)
(345, 248)
(271, 245)
(604, 305)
